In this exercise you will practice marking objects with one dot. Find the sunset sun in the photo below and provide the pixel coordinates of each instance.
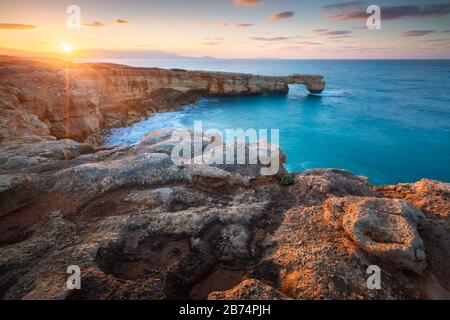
(66, 47)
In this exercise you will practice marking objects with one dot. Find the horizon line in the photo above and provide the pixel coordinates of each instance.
(176, 56)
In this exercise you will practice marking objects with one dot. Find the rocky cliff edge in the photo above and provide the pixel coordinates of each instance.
(140, 227)
(53, 99)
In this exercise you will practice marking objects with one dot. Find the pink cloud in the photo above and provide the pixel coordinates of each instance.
(281, 15)
(393, 12)
(94, 24)
(416, 33)
(16, 26)
(244, 25)
(121, 21)
(247, 2)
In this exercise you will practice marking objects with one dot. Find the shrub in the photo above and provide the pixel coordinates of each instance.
(286, 179)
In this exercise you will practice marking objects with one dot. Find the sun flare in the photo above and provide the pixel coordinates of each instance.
(66, 47)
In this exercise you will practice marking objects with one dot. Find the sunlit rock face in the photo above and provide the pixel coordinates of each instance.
(141, 227)
(49, 99)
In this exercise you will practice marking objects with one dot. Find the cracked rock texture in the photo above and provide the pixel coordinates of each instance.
(141, 227)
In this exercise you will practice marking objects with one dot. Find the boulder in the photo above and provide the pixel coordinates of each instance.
(249, 289)
(385, 228)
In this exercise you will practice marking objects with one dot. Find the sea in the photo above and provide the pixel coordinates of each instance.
(388, 120)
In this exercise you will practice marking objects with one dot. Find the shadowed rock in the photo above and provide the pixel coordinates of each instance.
(141, 227)
(250, 289)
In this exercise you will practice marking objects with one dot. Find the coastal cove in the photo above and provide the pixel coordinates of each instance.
(374, 118)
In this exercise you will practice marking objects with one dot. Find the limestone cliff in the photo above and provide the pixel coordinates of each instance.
(48, 99)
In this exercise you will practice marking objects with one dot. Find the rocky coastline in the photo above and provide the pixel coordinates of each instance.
(141, 227)
(54, 99)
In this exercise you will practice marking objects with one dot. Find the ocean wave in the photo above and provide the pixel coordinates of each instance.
(332, 93)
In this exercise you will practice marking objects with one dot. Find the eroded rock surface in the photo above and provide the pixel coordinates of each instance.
(141, 227)
(384, 228)
(250, 289)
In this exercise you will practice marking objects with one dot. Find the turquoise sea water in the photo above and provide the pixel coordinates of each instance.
(388, 120)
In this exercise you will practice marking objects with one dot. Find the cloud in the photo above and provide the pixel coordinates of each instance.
(131, 54)
(341, 37)
(247, 2)
(344, 5)
(121, 21)
(215, 39)
(436, 40)
(395, 12)
(311, 43)
(319, 30)
(416, 33)
(95, 24)
(16, 26)
(337, 33)
(221, 24)
(331, 33)
(244, 25)
(269, 39)
(281, 15)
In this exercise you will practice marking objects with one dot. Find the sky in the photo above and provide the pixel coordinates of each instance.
(293, 29)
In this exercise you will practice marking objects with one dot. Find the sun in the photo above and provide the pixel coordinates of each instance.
(66, 47)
